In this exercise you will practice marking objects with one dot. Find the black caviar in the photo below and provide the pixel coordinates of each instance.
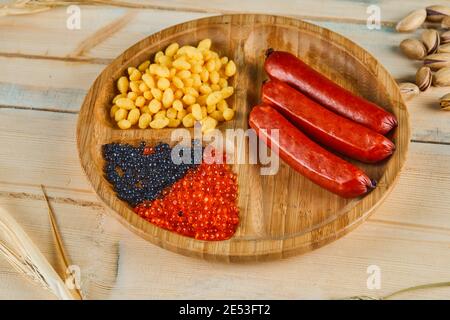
(138, 176)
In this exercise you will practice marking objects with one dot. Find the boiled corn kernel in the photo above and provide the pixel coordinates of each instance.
(181, 114)
(162, 71)
(184, 74)
(135, 75)
(143, 66)
(130, 70)
(140, 101)
(134, 86)
(221, 105)
(204, 112)
(214, 98)
(214, 77)
(148, 95)
(208, 124)
(188, 120)
(113, 111)
(173, 123)
(177, 105)
(160, 115)
(205, 89)
(179, 94)
(192, 92)
(120, 114)
(159, 123)
(218, 115)
(197, 111)
(144, 120)
(189, 82)
(188, 99)
(228, 114)
(181, 64)
(230, 69)
(167, 98)
(177, 82)
(227, 92)
(211, 108)
(132, 95)
(125, 103)
(172, 49)
(121, 95)
(122, 85)
(215, 87)
(156, 93)
(133, 116)
(148, 80)
(163, 83)
(154, 106)
(124, 124)
(145, 110)
(171, 113)
(143, 87)
(204, 44)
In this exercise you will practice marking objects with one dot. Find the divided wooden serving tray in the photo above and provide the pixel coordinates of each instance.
(281, 215)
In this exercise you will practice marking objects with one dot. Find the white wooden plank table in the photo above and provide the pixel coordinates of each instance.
(45, 71)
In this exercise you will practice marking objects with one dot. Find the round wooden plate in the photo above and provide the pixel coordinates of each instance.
(283, 214)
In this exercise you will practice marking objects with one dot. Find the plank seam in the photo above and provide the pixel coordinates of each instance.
(38, 109)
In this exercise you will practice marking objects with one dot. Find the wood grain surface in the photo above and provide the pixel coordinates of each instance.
(42, 86)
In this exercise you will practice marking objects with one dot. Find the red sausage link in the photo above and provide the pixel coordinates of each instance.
(328, 128)
(307, 157)
(286, 67)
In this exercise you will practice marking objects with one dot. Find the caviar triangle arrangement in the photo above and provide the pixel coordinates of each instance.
(183, 85)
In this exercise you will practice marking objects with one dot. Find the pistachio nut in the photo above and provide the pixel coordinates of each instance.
(445, 24)
(437, 13)
(442, 77)
(412, 21)
(424, 78)
(413, 49)
(437, 61)
(444, 48)
(445, 37)
(431, 40)
(444, 102)
(408, 90)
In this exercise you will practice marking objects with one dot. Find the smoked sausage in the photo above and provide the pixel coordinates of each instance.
(307, 157)
(326, 127)
(286, 67)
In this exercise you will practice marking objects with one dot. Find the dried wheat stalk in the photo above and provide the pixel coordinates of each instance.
(23, 254)
(21, 7)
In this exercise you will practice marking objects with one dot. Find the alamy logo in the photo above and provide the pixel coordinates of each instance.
(374, 279)
(374, 19)
(73, 280)
(73, 22)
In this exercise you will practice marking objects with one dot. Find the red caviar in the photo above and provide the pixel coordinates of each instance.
(201, 205)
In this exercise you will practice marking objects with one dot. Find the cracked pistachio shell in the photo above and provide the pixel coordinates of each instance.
(437, 61)
(444, 102)
(408, 90)
(445, 37)
(444, 48)
(412, 21)
(431, 40)
(437, 12)
(445, 24)
(442, 77)
(413, 49)
(424, 78)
